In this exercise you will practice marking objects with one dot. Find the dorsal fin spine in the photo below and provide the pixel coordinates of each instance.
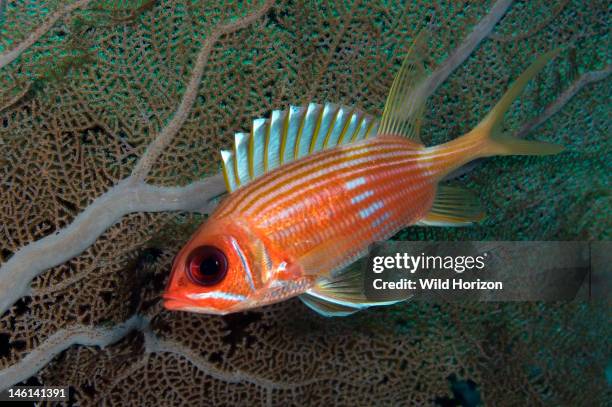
(330, 128)
(235, 149)
(259, 130)
(298, 139)
(346, 126)
(373, 130)
(281, 154)
(266, 146)
(361, 132)
(336, 128)
(368, 128)
(290, 134)
(357, 128)
(315, 133)
(275, 137)
(239, 168)
(251, 153)
(294, 117)
(226, 177)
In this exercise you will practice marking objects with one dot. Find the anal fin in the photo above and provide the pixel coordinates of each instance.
(453, 206)
(343, 293)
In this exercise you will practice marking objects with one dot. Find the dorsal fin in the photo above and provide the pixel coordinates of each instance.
(406, 101)
(290, 134)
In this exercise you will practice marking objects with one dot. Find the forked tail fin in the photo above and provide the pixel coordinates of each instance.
(489, 129)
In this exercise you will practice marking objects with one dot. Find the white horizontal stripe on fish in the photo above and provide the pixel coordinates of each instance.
(217, 295)
(385, 228)
(391, 226)
(275, 190)
(354, 183)
(364, 213)
(269, 187)
(280, 193)
(362, 196)
(380, 220)
(264, 182)
(399, 182)
(346, 151)
(300, 194)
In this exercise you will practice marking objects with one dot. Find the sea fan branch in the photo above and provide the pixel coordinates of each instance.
(105, 336)
(465, 49)
(566, 96)
(134, 195)
(62, 340)
(127, 196)
(9, 56)
(164, 138)
(124, 198)
(130, 195)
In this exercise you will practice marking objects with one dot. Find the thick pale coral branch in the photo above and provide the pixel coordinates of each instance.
(130, 195)
(9, 56)
(28, 262)
(126, 197)
(62, 340)
(105, 336)
(154, 344)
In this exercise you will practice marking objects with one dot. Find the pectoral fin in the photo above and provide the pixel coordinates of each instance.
(343, 294)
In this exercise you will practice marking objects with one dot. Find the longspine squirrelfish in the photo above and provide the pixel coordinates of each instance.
(313, 186)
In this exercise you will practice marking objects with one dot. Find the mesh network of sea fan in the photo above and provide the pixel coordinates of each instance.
(80, 106)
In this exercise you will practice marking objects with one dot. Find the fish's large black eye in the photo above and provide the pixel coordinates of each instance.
(207, 266)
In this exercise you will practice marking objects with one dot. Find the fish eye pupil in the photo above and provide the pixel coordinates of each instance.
(210, 266)
(207, 266)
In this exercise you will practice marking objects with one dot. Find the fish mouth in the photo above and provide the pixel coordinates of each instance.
(175, 303)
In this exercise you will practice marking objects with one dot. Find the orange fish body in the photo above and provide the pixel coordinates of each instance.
(294, 229)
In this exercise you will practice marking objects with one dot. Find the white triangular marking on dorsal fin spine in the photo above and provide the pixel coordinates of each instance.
(364, 128)
(340, 123)
(308, 128)
(241, 158)
(256, 147)
(293, 118)
(328, 115)
(229, 175)
(373, 131)
(273, 143)
(352, 122)
(290, 134)
(358, 127)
